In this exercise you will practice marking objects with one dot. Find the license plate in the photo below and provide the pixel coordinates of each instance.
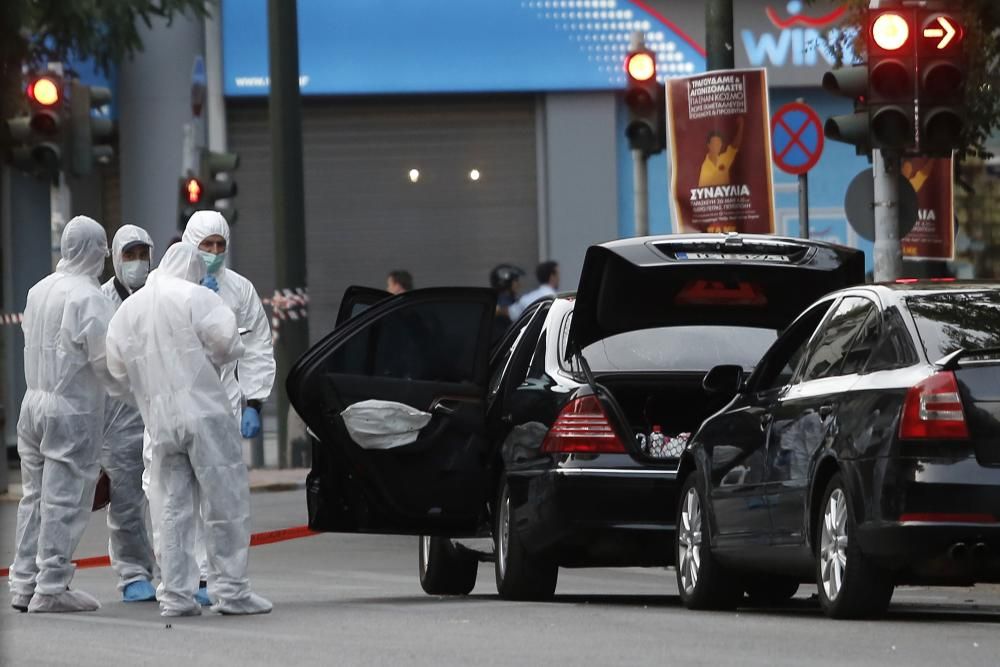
(730, 256)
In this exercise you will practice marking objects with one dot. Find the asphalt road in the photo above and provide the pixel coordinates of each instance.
(349, 600)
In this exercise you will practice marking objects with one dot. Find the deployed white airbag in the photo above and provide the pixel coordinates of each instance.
(383, 424)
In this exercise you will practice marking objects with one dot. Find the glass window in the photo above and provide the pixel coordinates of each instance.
(779, 366)
(948, 321)
(429, 342)
(830, 351)
(895, 348)
(861, 348)
(680, 348)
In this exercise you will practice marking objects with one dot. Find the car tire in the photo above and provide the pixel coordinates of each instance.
(770, 590)
(850, 584)
(519, 575)
(701, 581)
(444, 569)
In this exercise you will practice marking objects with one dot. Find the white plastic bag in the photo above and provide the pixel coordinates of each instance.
(383, 424)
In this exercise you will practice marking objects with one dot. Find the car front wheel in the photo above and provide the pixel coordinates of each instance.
(444, 569)
(519, 575)
(701, 581)
(850, 584)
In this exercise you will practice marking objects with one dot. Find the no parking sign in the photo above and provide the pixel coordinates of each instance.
(796, 138)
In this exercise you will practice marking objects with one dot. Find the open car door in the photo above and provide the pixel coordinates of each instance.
(424, 352)
(356, 300)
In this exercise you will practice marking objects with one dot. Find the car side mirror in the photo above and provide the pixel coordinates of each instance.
(725, 379)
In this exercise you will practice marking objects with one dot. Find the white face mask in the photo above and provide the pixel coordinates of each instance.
(134, 273)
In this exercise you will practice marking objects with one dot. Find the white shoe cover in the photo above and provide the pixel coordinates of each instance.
(67, 601)
(20, 602)
(251, 604)
(191, 611)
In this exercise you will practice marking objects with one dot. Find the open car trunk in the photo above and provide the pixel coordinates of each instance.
(674, 402)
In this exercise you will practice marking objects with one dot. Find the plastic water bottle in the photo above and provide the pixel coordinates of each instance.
(656, 442)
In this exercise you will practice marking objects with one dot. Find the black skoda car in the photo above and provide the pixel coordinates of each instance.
(560, 445)
(862, 453)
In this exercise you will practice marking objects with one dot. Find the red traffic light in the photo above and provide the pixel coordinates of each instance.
(641, 66)
(890, 31)
(193, 190)
(44, 91)
(941, 31)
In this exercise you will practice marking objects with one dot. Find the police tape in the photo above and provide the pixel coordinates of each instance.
(287, 304)
(11, 319)
(256, 540)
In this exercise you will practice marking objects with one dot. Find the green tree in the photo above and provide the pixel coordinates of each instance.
(33, 32)
(981, 20)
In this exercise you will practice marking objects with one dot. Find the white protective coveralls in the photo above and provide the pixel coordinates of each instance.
(256, 366)
(166, 346)
(59, 432)
(129, 546)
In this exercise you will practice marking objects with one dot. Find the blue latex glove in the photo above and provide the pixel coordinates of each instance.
(210, 282)
(250, 425)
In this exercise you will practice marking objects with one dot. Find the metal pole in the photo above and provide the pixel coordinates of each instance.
(804, 205)
(640, 192)
(289, 198)
(888, 252)
(719, 35)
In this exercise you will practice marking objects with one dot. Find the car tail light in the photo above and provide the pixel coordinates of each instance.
(933, 409)
(583, 427)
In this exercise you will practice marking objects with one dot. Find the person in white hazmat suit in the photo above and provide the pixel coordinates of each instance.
(129, 545)
(59, 432)
(248, 383)
(166, 347)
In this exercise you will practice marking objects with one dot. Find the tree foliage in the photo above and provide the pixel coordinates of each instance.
(981, 21)
(34, 32)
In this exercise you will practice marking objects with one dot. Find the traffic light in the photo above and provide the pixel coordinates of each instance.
(201, 191)
(853, 128)
(892, 68)
(219, 164)
(644, 97)
(90, 135)
(941, 82)
(45, 101)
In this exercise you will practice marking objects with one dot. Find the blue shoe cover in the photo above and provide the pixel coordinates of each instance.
(201, 597)
(139, 591)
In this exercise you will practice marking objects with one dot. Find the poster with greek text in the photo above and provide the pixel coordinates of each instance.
(933, 235)
(720, 152)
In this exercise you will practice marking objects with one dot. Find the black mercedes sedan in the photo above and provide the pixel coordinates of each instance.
(560, 444)
(862, 453)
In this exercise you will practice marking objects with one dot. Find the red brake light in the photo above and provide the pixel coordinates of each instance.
(933, 409)
(714, 292)
(582, 427)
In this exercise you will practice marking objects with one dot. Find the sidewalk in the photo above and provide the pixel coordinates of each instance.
(262, 480)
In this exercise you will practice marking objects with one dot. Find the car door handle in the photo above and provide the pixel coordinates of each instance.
(765, 420)
(825, 411)
(444, 406)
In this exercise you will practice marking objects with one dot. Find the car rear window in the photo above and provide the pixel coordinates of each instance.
(681, 348)
(947, 321)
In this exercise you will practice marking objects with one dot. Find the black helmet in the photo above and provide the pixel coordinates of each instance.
(503, 276)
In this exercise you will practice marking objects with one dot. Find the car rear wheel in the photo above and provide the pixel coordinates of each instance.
(701, 581)
(519, 575)
(444, 569)
(770, 590)
(850, 584)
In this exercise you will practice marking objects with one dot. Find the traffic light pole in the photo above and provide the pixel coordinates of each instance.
(289, 193)
(888, 252)
(640, 191)
(719, 51)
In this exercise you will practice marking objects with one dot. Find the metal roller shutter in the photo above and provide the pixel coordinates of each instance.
(364, 215)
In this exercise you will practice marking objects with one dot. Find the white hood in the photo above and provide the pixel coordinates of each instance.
(84, 247)
(127, 235)
(203, 224)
